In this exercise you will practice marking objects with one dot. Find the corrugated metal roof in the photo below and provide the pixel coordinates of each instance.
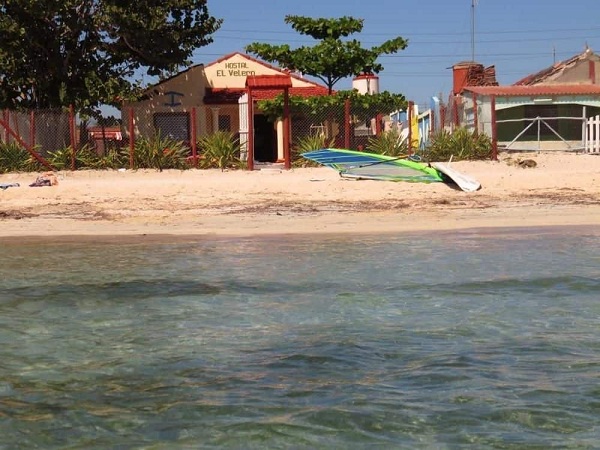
(536, 90)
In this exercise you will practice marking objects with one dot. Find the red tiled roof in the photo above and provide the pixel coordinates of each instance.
(536, 90)
(215, 96)
(269, 81)
(312, 91)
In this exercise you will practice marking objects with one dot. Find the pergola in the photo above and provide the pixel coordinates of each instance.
(269, 82)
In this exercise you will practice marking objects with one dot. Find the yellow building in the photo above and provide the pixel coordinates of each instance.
(207, 98)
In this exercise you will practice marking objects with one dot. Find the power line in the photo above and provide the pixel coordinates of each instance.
(437, 34)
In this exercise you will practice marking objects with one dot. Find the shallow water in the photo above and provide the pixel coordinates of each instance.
(416, 341)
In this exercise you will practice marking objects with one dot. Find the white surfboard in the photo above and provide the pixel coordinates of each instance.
(465, 182)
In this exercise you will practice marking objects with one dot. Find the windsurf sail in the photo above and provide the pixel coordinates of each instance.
(372, 166)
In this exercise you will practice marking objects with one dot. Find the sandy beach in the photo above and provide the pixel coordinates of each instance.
(563, 189)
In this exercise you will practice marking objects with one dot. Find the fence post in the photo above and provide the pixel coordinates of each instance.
(494, 130)
(32, 128)
(194, 138)
(378, 120)
(347, 122)
(131, 138)
(72, 133)
(409, 117)
(475, 115)
(287, 156)
(6, 117)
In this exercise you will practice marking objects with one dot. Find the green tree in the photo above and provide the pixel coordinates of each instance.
(55, 53)
(332, 59)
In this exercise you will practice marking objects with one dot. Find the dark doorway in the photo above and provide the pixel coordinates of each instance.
(264, 140)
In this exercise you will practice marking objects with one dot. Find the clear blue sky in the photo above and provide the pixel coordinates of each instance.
(519, 37)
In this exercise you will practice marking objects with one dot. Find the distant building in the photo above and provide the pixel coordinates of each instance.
(545, 110)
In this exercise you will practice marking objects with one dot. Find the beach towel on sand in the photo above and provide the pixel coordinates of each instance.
(5, 186)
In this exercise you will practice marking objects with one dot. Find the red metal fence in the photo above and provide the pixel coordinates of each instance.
(43, 132)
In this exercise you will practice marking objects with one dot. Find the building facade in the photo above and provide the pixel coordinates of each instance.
(213, 97)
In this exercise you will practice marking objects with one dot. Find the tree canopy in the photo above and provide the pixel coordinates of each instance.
(363, 107)
(331, 59)
(88, 52)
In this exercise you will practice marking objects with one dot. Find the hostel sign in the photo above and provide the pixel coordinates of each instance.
(235, 69)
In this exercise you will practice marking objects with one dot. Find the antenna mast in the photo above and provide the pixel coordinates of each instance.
(473, 2)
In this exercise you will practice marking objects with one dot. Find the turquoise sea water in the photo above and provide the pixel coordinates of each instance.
(486, 339)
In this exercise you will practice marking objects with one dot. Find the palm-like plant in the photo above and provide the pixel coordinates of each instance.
(14, 158)
(308, 143)
(160, 153)
(462, 144)
(388, 143)
(220, 150)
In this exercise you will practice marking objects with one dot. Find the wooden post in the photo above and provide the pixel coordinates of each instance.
(475, 115)
(72, 133)
(378, 120)
(409, 114)
(194, 138)
(494, 130)
(131, 138)
(287, 157)
(6, 117)
(348, 122)
(455, 112)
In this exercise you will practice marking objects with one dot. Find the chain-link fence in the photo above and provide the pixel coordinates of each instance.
(60, 139)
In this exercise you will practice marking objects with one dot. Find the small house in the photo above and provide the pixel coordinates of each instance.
(547, 110)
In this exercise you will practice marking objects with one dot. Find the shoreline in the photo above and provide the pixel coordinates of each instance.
(563, 190)
(525, 220)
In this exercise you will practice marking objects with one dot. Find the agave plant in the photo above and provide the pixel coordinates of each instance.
(13, 158)
(462, 144)
(160, 153)
(220, 150)
(85, 158)
(308, 143)
(388, 143)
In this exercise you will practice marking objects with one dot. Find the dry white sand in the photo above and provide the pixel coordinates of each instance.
(563, 189)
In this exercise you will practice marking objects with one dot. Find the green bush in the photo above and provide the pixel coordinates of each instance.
(459, 145)
(87, 158)
(14, 158)
(220, 150)
(388, 143)
(309, 143)
(159, 153)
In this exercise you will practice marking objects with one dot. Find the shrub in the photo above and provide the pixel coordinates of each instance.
(220, 150)
(388, 143)
(159, 153)
(460, 145)
(14, 158)
(309, 143)
(85, 158)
